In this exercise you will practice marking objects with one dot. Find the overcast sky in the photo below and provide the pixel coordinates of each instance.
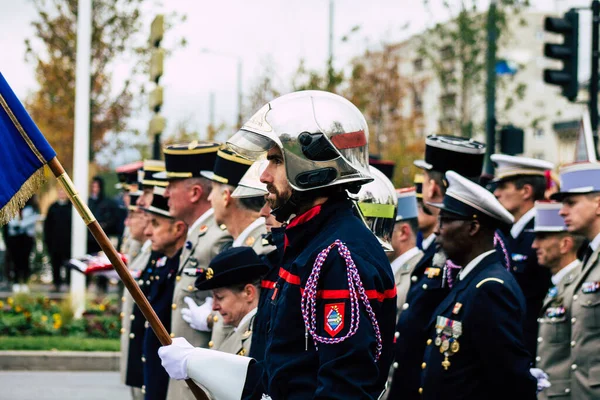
(282, 31)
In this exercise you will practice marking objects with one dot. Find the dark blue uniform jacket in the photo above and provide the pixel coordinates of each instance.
(491, 361)
(293, 368)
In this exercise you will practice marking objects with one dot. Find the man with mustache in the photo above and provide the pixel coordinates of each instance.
(332, 310)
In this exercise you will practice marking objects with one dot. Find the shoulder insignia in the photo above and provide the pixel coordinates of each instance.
(203, 229)
(247, 334)
(432, 272)
(500, 281)
(242, 352)
(250, 241)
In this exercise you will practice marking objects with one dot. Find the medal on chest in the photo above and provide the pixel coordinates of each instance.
(447, 333)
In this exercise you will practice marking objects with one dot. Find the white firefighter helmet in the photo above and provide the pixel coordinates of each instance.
(377, 202)
(323, 138)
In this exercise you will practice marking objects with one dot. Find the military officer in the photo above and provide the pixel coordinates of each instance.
(475, 347)
(240, 215)
(428, 287)
(316, 348)
(132, 330)
(187, 194)
(556, 250)
(406, 254)
(234, 278)
(167, 236)
(580, 196)
(520, 182)
(149, 181)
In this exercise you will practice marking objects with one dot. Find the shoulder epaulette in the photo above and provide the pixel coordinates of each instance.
(500, 281)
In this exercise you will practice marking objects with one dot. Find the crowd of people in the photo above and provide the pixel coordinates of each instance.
(284, 266)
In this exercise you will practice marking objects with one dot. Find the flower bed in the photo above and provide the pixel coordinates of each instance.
(29, 315)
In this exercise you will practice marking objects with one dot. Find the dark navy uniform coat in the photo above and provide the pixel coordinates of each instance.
(426, 292)
(491, 362)
(533, 279)
(156, 379)
(293, 368)
(135, 367)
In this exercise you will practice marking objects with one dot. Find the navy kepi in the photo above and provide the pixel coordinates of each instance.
(407, 204)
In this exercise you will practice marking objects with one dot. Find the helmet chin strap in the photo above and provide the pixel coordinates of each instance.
(287, 209)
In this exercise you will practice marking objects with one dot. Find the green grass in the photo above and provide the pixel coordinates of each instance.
(58, 343)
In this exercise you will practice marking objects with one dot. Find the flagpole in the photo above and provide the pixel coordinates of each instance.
(106, 245)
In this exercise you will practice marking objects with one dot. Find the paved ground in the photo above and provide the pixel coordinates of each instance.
(28, 385)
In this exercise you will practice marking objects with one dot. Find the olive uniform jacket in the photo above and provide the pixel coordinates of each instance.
(554, 340)
(205, 240)
(585, 331)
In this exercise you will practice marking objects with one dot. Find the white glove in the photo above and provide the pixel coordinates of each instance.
(174, 358)
(197, 316)
(542, 378)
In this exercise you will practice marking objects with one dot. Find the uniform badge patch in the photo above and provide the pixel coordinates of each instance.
(456, 308)
(334, 318)
(519, 257)
(432, 272)
(590, 287)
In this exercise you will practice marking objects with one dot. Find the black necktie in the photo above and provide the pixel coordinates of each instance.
(587, 255)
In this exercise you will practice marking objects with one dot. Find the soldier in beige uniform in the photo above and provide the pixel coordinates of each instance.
(406, 254)
(580, 196)
(188, 193)
(234, 278)
(241, 215)
(556, 249)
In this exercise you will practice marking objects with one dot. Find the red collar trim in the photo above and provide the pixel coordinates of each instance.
(307, 216)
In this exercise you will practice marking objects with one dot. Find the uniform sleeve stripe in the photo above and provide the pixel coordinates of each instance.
(289, 277)
(345, 294)
(267, 284)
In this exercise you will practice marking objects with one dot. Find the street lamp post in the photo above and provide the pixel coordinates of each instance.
(239, 79)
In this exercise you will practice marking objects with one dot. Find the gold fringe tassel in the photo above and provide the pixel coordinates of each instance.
(18, 201)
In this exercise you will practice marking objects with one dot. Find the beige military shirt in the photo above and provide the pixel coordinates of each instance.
(206, 239)
(252, 237)
(402, 268)
(238, 340)
(554, 339)
(138, 261)
(585, 329)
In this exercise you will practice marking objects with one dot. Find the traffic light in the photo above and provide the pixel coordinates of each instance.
(567, 52)
(511, 140)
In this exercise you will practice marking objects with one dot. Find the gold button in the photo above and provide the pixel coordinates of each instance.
(172, 335)
(146, 324)
(405, 306)
(538, 359)
(156, 277)
(178, 278)
(573, 343)
(132, 317)
(122, 314)
(190, 288)
(122, 330)
(429, 342)
(143, 359)
(574, 367)
(575, 297)
(174, 306)
(123, 299)
(397, 335)
(211, 344)
(424, 286)
(215, 319)
(131, 335)
(413, 278)
(573, 320)
(423, 365)
(395, 365)
(420, 390)
(540, 340)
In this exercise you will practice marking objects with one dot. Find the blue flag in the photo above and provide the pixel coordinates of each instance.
(23, 153)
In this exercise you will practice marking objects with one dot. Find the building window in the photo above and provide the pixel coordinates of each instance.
(538, 133)
(418, 65)
(446, 52)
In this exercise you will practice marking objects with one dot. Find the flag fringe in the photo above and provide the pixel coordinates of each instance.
(18, 201)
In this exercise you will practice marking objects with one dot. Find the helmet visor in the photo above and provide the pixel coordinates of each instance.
(249, 145)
